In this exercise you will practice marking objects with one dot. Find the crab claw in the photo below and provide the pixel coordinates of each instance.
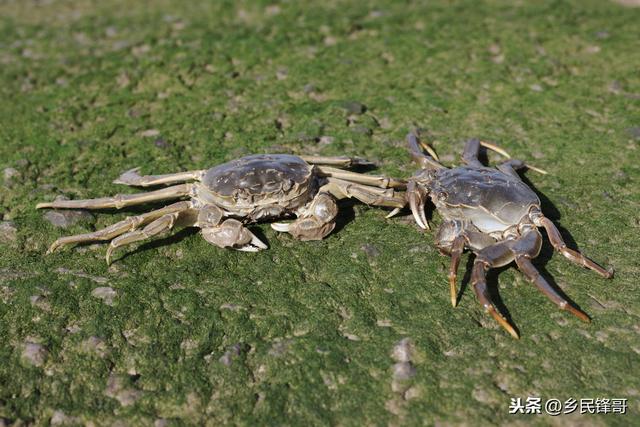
(417, 195)
(257, 242)
(232, 234)
(254, 245)
(282, 227)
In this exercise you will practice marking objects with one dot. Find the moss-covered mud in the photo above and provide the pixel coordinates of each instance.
(304, 333)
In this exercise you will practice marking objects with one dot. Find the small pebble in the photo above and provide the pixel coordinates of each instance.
(59, 418)
(117, 390)
(10, 176)
(232, 352)
(8, 232)
(403, 371)
(353, 107)
(280, 348)
(34, 353)
(66, 218)
(94, 345)
(150, 133)
(402, 350)
(326, 140)
(634, 132)
(370, 250)
(161, 143)
(105, 293)
(362, 130)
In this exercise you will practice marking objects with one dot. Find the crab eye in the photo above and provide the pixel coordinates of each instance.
(442, 195)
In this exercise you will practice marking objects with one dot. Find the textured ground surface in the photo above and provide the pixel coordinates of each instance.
(353, 330)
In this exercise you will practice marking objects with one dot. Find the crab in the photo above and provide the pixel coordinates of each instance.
(222, 200)
(494, 214)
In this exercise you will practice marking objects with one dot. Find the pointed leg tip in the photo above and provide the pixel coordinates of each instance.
(503, 322)
(495, 148)
(422, 222)
(393, 213)
(535, 169)
(580, 315)
(453, 292)
(108, 257)
(43, 205)
(512, 331)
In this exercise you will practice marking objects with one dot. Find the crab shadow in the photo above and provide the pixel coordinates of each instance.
(546, 252)
(157, 243)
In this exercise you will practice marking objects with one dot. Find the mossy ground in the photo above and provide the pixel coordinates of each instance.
(304, 333)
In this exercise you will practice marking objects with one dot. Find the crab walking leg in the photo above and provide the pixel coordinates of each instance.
(115, 230)
(340, 161)
(528, 246)
(480, 288)
(164, 223)
(132, 178)
(495, 148)
(424, 160)
(456, 252)
(558, 243)
(470, 153)
(525, 265)
(493, 256)
(366, 194)
(512, 165)
(360, 178)
(120, 201)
